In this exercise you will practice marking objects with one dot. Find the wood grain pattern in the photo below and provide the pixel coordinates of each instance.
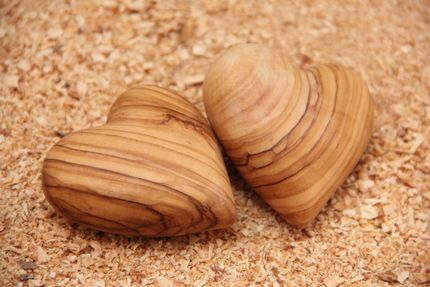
(294, 135)
(153, 169)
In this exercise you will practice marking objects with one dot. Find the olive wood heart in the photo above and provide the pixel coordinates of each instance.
(153, 169)
(293, 134)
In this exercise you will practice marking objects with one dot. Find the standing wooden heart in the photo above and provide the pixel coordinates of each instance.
(153, 169)
(294, 135)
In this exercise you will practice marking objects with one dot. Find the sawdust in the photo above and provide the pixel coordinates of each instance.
(62, 63)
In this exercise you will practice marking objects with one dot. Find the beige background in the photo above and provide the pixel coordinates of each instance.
(62, 64)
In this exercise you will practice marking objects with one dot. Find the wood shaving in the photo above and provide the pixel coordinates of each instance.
(402, 277)
(187, 31)
(365, 185)
(369, 212)
(41, 255)
(164, 282)
(28, 265)
(333, 281)
(63, 63)
(96, 247)
(25, 277)
(199, 50)
(394, 277)
(82, 89)
(11, 81)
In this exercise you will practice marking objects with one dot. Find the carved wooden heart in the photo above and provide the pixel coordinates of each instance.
(294, 135)
(153, 169)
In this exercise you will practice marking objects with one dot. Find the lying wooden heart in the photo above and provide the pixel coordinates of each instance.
(293, 134)
(153, 169)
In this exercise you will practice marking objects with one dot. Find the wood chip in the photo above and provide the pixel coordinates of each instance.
(97, 247)
(402, 276)
(24, 65)
(419, 140)
(333, 281)
(42, 256)
(164, 282)
(11, 81)
(28, 265)
(369, 212)
(81, 89)
(350, 212)
(199, 50)
(394, 277)
(365, 185)
(422, 277)
(98, 57)
(187, 31)
(25, 277)
(357, 278)
(99, 283)
(193, 80)
(388, 276)
(55, 33)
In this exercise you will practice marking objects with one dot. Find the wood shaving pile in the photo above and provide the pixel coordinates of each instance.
(62, 64)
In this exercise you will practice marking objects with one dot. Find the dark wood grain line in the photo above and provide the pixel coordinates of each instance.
(243, 143)
(71, 207)
(210, 141)
(116, 109)
(203, 210)
(285, 137)
(219, 191)
(323, 135)
(96, 132)
(148, 207)
(202, 129)
(240, 86)
(362, 131)
(162, 97)
(169, 95)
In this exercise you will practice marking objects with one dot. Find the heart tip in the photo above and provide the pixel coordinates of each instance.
(299, 220)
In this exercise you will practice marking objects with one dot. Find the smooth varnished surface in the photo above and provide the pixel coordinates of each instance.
(293, 134)
(153, 169)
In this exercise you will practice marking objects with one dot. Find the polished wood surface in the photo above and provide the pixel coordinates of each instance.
(153, 169)
(294, 135)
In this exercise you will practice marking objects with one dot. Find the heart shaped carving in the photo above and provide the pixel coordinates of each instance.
(293, 134)
(153, 169)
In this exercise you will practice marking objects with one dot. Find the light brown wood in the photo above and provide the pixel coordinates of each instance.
(294, 135)
(153, 169)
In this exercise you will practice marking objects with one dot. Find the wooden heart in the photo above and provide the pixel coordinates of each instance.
(294, 135)
(153, 169)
